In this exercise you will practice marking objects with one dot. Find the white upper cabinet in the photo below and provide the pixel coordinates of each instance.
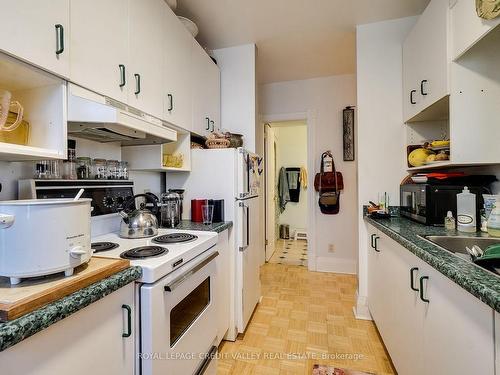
(146, 44)
(205, 83)
(177, 92)
(426, 60)
(467, 27)
(99, 50)
(37, 33)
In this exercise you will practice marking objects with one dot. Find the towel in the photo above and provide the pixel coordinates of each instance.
(292, 175)
(283, 192)
(303, 178)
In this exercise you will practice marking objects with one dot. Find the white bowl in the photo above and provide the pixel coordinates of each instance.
(189, 25)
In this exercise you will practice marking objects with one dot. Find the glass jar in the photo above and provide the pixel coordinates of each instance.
(100, 169)
(83, 168)
(123, 170)
(113, 169)
(42, 169)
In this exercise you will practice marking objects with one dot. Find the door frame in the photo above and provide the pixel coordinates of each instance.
(269, 209)
(310, 118)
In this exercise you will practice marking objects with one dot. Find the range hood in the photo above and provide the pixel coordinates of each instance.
(102, 119)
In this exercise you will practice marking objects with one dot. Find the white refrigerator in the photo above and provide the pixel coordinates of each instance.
(236, 176)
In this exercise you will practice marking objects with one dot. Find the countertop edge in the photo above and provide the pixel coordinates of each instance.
(19, 329)
(472, 285)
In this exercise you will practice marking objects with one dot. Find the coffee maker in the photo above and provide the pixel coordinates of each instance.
(171, 208)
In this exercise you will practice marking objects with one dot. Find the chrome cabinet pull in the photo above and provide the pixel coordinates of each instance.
(412, 278)
(170, 102)
(137, 84)
(122, 75)
(422, 288)
(375, 242)
(422, 87)
(412, 101)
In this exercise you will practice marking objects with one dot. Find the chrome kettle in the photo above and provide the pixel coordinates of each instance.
(141, 222)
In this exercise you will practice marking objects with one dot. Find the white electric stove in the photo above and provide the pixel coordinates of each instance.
(159, 255)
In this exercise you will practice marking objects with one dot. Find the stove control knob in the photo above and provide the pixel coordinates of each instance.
(120, 200)
(77, 252)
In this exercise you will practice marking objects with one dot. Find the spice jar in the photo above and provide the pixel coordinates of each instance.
(123, 173)
(99, 169)
(83, 168)
(113, 169)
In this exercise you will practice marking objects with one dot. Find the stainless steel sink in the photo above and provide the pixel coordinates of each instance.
(457, 244)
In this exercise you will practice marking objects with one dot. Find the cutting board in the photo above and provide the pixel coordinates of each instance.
(33, 293)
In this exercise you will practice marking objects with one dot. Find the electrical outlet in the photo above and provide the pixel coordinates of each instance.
(331, 248)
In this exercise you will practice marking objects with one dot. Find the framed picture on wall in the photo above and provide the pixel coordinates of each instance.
(348, 132)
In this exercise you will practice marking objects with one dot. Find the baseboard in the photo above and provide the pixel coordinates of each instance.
(336, 265)
(361, 310)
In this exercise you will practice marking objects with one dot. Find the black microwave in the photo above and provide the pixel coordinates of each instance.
(429, 203)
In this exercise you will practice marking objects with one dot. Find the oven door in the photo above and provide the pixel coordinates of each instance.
(178, 318)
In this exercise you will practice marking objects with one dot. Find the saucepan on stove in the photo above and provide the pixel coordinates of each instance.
(43, 236)
(139, 222)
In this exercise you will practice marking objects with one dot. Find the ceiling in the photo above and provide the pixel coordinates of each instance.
(296, 39)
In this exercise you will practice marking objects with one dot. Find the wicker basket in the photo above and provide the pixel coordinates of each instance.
(218, 143)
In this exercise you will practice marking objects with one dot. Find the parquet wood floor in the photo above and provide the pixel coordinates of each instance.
(305, 318)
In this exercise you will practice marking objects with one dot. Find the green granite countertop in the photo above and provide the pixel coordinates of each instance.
(481, 283)
(17, 330)
(214, 227)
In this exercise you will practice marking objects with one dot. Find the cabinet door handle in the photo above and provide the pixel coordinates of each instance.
(208, 123)
(422, 87)
(412, 278)
(375, 242)
(371, 240)
(212, 122)
(129, 321)
(137, 84)
(122, 75)
(170, 102)
(59, 39)
(412, 101)
(422, 288)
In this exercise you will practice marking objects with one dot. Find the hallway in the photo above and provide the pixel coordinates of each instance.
(290, 252)
(306, 314)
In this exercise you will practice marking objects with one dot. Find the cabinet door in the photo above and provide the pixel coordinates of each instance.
(177, 69)
(146, 44)
(92, 335)
(201, 87)
(38, 33)
(99, 50)
(458, 329)
(425, 59)
(213, 93)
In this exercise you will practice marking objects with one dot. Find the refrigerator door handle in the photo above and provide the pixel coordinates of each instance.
(247, 227)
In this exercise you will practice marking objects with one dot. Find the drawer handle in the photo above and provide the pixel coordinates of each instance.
(375, 242)
(422, 288)
(412, 278)
(59, 39)
(371, 240)
(422, 87)
(129, 321)
(412, 101)
(122, 75)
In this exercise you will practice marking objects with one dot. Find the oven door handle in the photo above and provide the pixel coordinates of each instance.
(178, 281)
(206, 362)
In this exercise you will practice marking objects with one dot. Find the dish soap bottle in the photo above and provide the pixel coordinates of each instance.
(494, 221)
(449, 222)
(466, 211)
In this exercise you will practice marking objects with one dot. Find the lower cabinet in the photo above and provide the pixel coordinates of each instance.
(97, 340)
(429, 324)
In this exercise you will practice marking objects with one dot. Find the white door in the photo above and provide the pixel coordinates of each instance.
(458, 329)
(177, 73)
(249, 255)
(99, 50)
(37, 32)
(146, 44)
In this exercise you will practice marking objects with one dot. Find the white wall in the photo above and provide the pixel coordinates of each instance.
(291, 151)
(381, 132)
(324, 98)
(238, 93)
